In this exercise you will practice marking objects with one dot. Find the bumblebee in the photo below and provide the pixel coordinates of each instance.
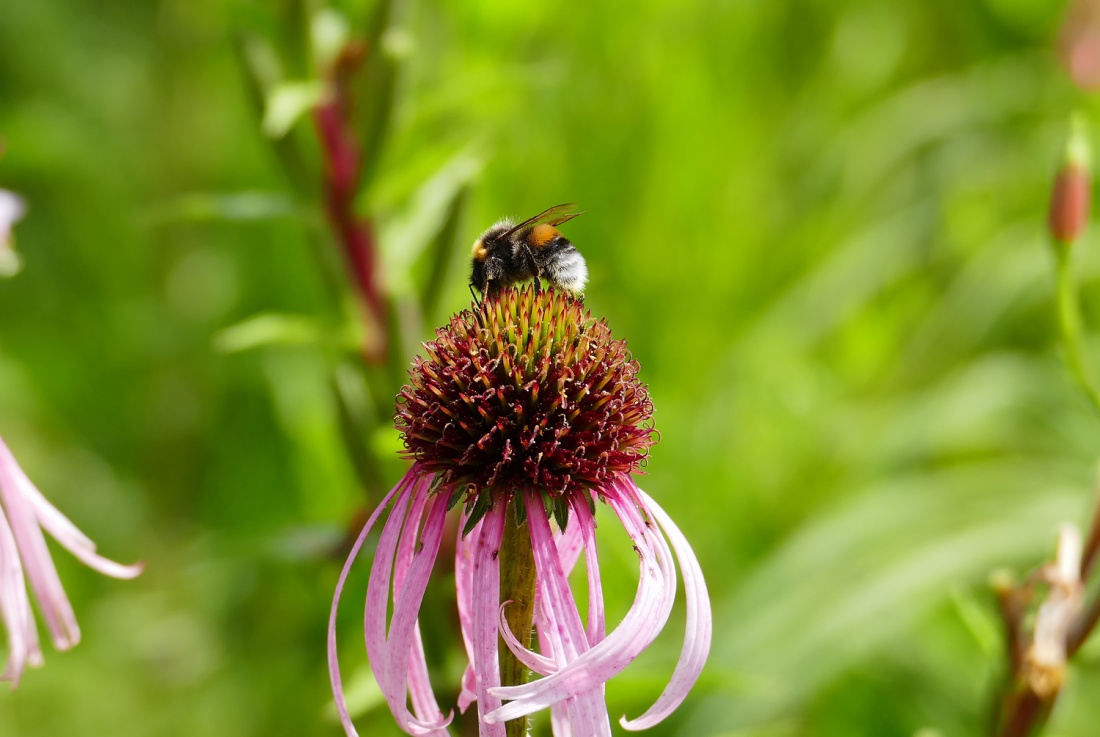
(508, 253)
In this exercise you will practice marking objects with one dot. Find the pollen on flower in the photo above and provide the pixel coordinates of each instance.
(526, 391)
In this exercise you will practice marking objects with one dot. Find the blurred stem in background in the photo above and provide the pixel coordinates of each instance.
(1045, 618)
(316, 70)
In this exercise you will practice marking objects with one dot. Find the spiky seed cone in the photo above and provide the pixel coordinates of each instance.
(525, 391)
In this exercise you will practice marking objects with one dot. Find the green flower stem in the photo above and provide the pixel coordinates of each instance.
(517, 585)
(1069, 323)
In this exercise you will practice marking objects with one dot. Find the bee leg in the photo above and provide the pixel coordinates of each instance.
(474, 295)
(534, 266)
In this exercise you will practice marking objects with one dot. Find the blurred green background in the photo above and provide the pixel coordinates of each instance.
(818, 224)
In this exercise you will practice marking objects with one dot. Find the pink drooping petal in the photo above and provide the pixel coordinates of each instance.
(400, 641)
(37, 563)
(410, 533)
(15, 607)
(485, 595)
(25, 558)
(580, 536)
(333, 658)
(378, 594)
(587, 710)
(468, 693)
(570, 544)
(425, 706)
(647, 615)
(585, 522)
(535, 661)
(698, 625)
(63, 530)
(464, 577)
(559, 712)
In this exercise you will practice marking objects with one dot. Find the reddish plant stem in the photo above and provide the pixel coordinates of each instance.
(1023, 713)
(343, 164)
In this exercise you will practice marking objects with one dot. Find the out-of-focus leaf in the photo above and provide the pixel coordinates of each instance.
(852, 579)
(442, 255)
(329, 33)
(980, 620)
(405, 236)
(237, 206)
(378, 83)
(287, 102)
(269, 329)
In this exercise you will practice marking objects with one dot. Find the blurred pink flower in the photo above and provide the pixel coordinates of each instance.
(24, 514)
(1079, 43)
(12, 209)
(524, 403)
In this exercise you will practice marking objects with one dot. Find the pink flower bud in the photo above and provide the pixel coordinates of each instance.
(1072, 192)
(1069, 204)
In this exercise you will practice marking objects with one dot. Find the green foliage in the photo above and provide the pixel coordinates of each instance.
(819, 225)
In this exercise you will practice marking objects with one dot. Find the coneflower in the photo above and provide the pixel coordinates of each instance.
(528, 414)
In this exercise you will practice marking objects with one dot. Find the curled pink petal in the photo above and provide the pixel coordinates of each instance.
(66, 533)
(587, 711)
(646, 617)
(533, 660)
(464, 574)
(403, 625)
(425, 706)
(586, 524)
(16, 608)
(698, 625)
(485, 592)
(570, 544)
(333, 658)
(25, 560)
(378, 590)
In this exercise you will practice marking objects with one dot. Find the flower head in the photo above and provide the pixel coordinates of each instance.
(527, 410)
(24, 514)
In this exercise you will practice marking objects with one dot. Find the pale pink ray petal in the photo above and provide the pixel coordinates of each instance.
(535, 661)
(15, 606)
(587, 712)
(586, 524)
(468, 693)
(378, 591)
(425, 706)
(647, 615)
(333, 658)
(586, 709)
(403, 625)
(61, 528)
(38, 564)
(485, 592)
(578, 537)
(464, 573)
(570, 544)
(693, 656)
(410, 533)
(559, 712)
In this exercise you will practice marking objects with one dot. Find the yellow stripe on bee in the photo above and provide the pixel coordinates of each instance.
(479, 253)
(542, 234)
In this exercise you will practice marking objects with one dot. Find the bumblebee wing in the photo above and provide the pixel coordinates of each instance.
(550, 215)
(563, 219)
